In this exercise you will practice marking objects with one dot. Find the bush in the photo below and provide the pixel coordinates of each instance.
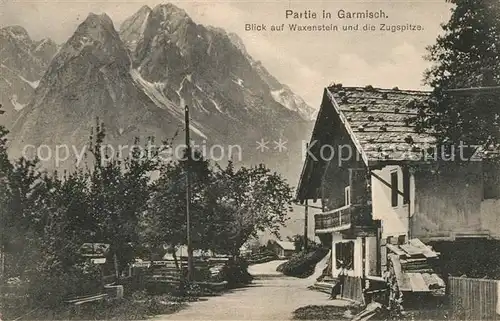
(263, 256)
(51, 288)
(235, 272)
(302, 264)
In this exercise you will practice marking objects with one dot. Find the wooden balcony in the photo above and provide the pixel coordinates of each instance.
(343, 218)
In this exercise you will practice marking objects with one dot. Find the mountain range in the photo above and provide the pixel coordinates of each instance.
(23, 62)
(137, 79)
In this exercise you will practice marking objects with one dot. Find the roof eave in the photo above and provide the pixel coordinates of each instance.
(348, 128)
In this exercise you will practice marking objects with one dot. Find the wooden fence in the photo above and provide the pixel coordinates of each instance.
(473, 299)
(353, 289)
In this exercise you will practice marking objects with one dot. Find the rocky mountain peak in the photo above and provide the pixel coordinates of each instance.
(96, 39)
(97, 27)
(16, 32)
(145, 9)
(169, 11)
(133, 28)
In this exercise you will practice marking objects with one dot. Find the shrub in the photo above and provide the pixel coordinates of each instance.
(235, 272)
(50, 288)
(302, 264)
(263, 256)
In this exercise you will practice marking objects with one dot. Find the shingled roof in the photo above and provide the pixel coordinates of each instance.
(379, 121)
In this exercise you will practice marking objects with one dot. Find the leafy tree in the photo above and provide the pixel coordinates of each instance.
(119, 193)
(166, 219)
(247, 200)
(465, 55)
(5, 172)
(227, 207)
(23, 222)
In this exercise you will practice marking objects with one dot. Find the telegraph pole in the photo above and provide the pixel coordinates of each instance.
(188, 198)
(306, 215)
(2, 248)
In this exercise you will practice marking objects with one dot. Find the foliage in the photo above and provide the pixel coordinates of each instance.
(126, 309)
(235, 272)
(325, 312)
(119, 193)
(165, 222)
(477, 259)
(465, 55)
(302, 264)
(48, 217)
(263, 256)
(227, 207)
(248, 200)
(299, 242)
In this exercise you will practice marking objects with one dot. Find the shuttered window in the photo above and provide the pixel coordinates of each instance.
(406, 185)
(394, 189)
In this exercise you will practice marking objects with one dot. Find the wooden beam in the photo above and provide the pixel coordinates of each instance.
(310, 206)
(385, 182)
(402, 279)
(473, 90)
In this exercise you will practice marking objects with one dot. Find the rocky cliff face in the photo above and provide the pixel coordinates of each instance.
(23, 62)
(210, 70)
(89, 79)
(281, 93)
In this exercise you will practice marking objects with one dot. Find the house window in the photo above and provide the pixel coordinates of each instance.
(406, 185)
(347, 194)
(344, 255)
(394, 189)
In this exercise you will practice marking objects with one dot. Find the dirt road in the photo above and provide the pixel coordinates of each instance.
(272, 296)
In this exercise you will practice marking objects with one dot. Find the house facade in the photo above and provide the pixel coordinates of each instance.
(282, 249)
(381, 182)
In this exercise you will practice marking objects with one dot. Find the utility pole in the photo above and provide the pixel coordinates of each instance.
(306, 215)
(188, 199)
(2, 249)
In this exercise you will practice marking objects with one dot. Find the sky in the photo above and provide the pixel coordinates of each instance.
(307, 61)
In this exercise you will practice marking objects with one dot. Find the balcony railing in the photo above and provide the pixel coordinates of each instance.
(343, 218)
(336, 219)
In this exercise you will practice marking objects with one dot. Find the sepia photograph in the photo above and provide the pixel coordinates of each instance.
(250, 160)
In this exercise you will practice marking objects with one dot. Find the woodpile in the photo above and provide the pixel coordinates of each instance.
(410, 274)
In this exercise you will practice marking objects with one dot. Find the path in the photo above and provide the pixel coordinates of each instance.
(272, 296)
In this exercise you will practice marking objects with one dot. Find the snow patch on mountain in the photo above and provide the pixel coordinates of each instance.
(161, 101)
(7, 81)
(17, 106)
(239, 81)
(42, 43)
(33, 84)
(145, 22)
(216, 105)
(153, 92)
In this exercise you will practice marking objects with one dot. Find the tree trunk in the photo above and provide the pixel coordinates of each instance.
(117, 268)
(176, 261)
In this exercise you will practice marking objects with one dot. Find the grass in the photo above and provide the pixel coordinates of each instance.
(323, 312)
(327, 312)
(125, 309)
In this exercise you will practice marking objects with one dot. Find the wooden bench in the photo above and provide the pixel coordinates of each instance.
(87, 299)
(77, 303)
